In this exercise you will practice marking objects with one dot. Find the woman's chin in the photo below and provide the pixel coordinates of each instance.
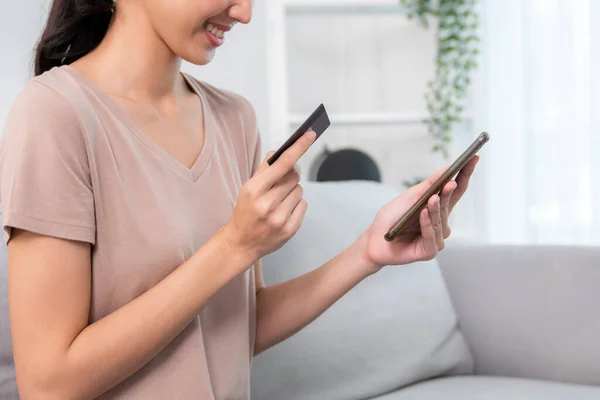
(201, 57)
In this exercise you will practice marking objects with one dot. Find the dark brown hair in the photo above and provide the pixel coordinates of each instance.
(73, 29)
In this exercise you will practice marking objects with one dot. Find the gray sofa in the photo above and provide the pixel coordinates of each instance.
(480, 322)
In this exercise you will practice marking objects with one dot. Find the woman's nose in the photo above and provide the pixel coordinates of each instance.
(241, 10)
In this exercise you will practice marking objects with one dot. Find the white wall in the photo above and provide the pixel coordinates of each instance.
(367, 59)
(357, 64)
(20, 25)
(240, 65)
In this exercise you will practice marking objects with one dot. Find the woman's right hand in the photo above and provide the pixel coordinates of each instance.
(270, 207)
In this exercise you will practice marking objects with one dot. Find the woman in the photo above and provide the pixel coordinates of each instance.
(137, 209)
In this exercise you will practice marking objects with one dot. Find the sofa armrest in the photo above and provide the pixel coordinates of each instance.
(528, 311)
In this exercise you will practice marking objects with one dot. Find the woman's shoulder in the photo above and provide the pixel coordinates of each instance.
(45, 178)
(226, 102)
(43, 113)
(45, 99)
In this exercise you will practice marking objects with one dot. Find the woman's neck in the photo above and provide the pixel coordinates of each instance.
(133, 62)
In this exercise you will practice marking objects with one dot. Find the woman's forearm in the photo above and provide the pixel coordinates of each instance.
(286, 308)
(116, 346)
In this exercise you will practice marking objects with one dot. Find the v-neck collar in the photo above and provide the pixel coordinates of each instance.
(203, 159)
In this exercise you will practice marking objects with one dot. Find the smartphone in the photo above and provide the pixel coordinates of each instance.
(439, 184)
(318, 121)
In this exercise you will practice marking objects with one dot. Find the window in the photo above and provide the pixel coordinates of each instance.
(541, 90)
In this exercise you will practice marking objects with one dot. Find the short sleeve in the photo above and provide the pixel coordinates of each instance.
(45, 181)
(257, 155)
(252, 134)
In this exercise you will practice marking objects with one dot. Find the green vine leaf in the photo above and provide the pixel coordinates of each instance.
(456, 58)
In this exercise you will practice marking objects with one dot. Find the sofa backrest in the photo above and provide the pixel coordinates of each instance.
(528, 311)
(395, 328)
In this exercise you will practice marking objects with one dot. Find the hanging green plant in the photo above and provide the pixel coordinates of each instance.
(457, 50)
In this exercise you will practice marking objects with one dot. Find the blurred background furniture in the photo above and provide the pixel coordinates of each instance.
(479, 322)
(344, 165)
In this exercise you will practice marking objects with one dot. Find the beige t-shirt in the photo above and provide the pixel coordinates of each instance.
(74, 166)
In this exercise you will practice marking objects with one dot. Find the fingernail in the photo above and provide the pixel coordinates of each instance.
(311, 135)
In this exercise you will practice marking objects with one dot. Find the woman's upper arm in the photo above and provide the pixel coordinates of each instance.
(49, 297)
(49, 222)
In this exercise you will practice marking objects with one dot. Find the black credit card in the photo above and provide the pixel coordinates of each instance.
(318, 122)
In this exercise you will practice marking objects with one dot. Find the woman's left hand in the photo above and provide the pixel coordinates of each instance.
(424, 235)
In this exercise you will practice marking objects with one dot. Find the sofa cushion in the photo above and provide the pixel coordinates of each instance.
(393, 329)
(493, 388)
